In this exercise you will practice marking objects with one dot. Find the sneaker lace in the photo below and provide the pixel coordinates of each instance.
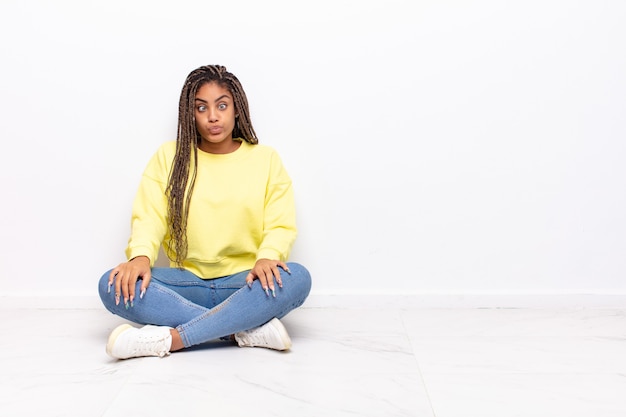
(148, 345)
(254, 337)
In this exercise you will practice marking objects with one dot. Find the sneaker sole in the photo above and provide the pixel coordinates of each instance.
(284, 336)
(113, 337)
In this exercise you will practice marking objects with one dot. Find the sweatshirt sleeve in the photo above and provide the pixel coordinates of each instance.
(279, 230)
(149, 212)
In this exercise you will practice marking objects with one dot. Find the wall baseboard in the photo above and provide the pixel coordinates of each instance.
(468, 300)
(364, 299)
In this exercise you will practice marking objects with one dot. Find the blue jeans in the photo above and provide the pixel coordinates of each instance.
(204, 310)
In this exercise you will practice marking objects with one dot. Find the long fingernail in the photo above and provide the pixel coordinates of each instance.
(126, 304)
(142, 293)
(250, 284)
(288, 271)
(117, 300)
(131, 302)
(109, 289)
(273, 293)
(267, 292)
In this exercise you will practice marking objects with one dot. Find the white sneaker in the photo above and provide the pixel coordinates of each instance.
(272, 335)
(128, 342)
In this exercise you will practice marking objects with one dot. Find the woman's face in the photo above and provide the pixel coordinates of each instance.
(215, 119)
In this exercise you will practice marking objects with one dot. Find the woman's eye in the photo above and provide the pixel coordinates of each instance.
(222, 106)
(201, 108)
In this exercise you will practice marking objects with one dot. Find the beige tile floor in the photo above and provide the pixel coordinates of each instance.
(344, 362)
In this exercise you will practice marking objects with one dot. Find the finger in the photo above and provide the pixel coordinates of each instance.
(263, 280)
(144, 284)
(124, 287)
(118, 287)
(132, 285)
(275, 274)
(131, 292)
(269, 278)
(279, 278)
(249, 279)
(284, 266)
(128, 283)
(111, 277)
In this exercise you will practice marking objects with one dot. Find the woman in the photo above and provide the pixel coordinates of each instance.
(222, 206)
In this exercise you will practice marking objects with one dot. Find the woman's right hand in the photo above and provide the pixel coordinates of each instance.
(126, 275)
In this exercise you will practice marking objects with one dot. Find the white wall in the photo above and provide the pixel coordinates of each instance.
(435, 146)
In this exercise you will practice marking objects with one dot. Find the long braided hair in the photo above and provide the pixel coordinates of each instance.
(183, 176)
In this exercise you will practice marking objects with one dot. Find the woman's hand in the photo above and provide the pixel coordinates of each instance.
(266, 270)
(126, 275)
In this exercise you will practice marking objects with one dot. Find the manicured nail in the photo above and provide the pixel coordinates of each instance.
(142, 293)
(117, 300)
(250, 284)
(126, 304)
(131, 302)
(288, 271)
(109, 289)
(273, 293)
(267, 292)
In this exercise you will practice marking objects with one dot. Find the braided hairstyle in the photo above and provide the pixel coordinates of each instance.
(181, 180)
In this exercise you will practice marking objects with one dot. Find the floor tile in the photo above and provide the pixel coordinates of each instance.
(527, 395)
(344, 362)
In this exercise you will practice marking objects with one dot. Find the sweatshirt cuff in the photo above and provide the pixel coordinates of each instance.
(267, 253)
(139, 251)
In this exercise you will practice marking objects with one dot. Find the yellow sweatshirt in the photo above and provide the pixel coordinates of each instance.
(242, 209)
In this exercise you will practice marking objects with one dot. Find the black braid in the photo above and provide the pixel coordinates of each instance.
(187, 142)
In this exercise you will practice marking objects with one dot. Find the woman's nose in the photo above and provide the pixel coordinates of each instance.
(212, 115)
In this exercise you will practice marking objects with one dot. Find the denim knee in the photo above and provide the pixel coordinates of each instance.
(302, 278)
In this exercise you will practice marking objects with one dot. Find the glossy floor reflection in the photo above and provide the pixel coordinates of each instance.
(344, 362)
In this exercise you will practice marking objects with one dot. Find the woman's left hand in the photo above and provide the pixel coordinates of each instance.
(266, 270)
